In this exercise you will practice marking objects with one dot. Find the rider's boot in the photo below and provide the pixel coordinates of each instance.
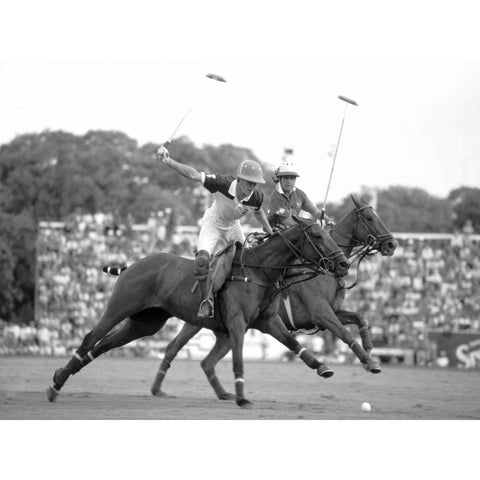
(201, 271)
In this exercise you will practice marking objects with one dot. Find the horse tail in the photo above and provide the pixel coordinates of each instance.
(114, 270)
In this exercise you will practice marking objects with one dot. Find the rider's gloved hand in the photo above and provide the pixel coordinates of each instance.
(163, 154)
(329, 222)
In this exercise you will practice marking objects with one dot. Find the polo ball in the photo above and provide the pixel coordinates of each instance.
(366, 407)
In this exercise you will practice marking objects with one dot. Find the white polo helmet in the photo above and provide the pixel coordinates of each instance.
(286, 169)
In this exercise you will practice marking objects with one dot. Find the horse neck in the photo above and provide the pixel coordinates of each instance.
(342, 233)
(274, 253)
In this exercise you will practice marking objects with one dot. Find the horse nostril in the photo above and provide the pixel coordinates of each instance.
(390, 247)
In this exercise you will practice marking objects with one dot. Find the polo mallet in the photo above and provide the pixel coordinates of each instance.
(211, 76)
(347, 101)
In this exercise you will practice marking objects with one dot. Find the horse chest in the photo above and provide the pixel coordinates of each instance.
(244, 298)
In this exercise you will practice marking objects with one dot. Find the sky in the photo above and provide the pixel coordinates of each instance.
(416, 123)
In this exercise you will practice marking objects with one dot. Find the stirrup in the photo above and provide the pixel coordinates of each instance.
(206, 309)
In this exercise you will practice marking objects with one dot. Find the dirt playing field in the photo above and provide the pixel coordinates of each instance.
(119, 388)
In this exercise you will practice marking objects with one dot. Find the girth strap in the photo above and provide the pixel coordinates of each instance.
(239, 278)
(288, 308)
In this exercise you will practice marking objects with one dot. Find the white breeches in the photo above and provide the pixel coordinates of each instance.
(212, 238)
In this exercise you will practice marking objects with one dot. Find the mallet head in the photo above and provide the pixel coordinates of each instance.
(348, 100)
(218, 78)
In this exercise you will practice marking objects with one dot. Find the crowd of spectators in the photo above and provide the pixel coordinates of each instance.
(71, 288)
(429, 283)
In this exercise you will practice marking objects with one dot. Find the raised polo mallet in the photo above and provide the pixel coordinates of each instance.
(347, 101)
(211, 76)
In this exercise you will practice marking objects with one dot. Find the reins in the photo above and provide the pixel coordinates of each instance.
(319, 267)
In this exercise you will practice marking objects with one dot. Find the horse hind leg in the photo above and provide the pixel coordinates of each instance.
(139, 325)
(219, 350)
(186, 333)
(62, 374)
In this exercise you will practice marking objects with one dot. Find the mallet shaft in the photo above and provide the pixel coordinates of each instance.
(211, 76)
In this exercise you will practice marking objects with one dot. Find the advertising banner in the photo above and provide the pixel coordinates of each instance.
(462, 349)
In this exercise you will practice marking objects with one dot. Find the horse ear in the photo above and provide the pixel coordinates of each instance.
(355, 201)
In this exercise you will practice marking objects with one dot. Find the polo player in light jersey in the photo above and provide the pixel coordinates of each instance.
(234, 197)
(287, 200)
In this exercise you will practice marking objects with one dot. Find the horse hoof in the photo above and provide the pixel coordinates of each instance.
(374, 368)
(158, 393)
(226, 396)
(243, 403)
(52, 394)
(324, 371)
(57, 377)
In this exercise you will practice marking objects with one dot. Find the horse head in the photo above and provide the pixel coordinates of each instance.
(363, 227)
(314, 246)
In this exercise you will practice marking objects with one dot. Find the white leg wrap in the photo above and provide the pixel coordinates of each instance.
(303, 349)
(90, 356)
(77, 356)
(239, 380)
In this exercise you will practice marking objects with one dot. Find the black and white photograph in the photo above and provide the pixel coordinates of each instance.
(233, 234)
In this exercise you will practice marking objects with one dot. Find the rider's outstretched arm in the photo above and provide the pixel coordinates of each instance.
(184, 170)
(262, 219)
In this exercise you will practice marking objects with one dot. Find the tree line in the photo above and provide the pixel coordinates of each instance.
(53, 175)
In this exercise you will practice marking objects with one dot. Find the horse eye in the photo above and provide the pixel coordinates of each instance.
(369, 218)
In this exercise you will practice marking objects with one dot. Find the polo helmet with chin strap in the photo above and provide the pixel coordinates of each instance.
(251, 171)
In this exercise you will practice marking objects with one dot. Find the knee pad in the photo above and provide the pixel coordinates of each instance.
(201, 263)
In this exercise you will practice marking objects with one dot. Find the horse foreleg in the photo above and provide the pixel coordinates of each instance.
(186, 333)
(334, 323)
(353, 318)
(275, 327)
(237, 338)
(220, 349)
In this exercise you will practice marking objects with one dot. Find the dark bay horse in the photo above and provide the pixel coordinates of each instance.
(158, 287)
(317, 303)
(313, 303)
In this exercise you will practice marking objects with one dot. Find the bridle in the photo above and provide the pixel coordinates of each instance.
(322, 266)
(369, 246)
(372, 243)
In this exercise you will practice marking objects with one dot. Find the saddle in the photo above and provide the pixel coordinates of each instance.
(220, 266)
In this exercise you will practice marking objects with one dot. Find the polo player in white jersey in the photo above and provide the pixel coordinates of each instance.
(234, 197)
